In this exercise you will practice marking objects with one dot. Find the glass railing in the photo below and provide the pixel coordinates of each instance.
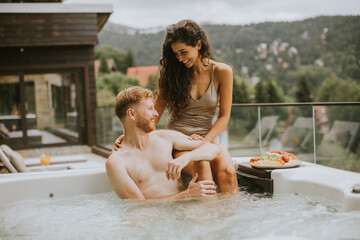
(108, 127)
(322, 133)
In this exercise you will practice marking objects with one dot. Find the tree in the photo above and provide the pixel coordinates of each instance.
(303, 92)
(338, 90)
(261, 95)
(129, 60)
(103, 65)
(115, 82)
(153, 79)
(241, 90)
(273, 92)
(114, 53)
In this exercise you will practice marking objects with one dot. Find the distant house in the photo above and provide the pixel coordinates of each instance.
(47, 83)
(254, 79)
(142, 73)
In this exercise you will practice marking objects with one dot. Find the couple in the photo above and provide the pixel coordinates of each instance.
(191, 86)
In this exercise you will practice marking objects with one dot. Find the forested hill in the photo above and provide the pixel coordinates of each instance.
(319, 47)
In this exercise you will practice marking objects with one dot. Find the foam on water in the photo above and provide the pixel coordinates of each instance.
(244, 216)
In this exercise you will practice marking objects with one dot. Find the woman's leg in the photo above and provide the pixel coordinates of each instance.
(201, 167)
(224, 172)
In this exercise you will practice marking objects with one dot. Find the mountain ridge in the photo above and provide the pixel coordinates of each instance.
(277, 50)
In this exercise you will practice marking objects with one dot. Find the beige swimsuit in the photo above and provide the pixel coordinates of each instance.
(197, 117)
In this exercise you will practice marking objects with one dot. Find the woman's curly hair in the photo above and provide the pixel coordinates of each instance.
(174, 82)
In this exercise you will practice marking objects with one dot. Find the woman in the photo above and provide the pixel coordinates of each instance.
(191, 86)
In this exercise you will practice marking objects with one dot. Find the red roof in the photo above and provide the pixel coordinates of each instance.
(142, 73)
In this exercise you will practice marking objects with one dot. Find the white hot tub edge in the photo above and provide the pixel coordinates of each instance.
(59, 184)
(309, 179)
(316, 180)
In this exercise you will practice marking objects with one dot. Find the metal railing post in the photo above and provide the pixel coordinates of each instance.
(314, 137)
(259, 128)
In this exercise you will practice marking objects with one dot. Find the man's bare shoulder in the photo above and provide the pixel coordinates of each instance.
(118, 158)
(167, 133)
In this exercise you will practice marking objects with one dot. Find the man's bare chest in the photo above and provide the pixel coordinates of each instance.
(150, 162)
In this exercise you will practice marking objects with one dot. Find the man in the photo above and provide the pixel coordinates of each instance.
(144, 167)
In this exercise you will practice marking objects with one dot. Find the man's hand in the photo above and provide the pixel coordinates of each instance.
(117, 144)
(174, 168)
(205, 188)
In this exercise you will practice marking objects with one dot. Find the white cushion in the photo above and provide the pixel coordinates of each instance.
(4, 132)
(6, 162)
(15, 158)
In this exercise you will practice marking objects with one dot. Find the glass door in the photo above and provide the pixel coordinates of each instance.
(52, 106)
(11, 124)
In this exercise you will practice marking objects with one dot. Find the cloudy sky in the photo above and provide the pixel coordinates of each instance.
(154, 13)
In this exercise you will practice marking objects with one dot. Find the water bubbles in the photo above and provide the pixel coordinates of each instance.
(243, 215)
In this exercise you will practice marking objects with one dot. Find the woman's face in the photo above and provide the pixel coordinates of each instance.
(186, 54)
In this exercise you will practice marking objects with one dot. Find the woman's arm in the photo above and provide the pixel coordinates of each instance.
(224, 75)
(159, 105)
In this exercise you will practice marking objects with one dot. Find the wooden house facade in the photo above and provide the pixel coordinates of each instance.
(47, 82)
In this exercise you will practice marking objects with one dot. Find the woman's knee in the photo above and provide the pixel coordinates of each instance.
(227, 174)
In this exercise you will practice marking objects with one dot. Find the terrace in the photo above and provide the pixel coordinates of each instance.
(48, 102)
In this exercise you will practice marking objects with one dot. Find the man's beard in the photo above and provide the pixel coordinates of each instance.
(145, 124)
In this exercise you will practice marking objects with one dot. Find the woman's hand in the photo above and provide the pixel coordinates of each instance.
(196, 137)
(118, 142)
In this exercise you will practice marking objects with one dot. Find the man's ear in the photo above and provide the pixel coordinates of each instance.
(130, 113)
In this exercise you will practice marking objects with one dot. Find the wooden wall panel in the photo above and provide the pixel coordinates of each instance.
(48, 29)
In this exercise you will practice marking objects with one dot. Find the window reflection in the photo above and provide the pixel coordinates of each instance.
(10, 111)
(52, 100)
(50, 107)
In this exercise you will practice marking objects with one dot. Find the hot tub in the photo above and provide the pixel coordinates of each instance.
(80, 204)
(309, 179)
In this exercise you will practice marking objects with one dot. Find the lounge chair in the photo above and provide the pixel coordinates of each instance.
(340, 137)
(343, 133)
(298, 135)
(14, 162)
(267, 126)
(249, 146)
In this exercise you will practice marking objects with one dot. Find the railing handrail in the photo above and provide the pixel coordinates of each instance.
(294, 104)
(282, 104)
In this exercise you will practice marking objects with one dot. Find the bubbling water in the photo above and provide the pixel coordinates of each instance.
(240, 216)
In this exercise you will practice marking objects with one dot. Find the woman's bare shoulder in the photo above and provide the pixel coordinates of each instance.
(222, 68)
(222, 72)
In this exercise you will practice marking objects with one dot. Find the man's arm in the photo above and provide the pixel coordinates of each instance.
(120, 180)
(205, 188)
(199, 150)
(181, 142)
(126, 188)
